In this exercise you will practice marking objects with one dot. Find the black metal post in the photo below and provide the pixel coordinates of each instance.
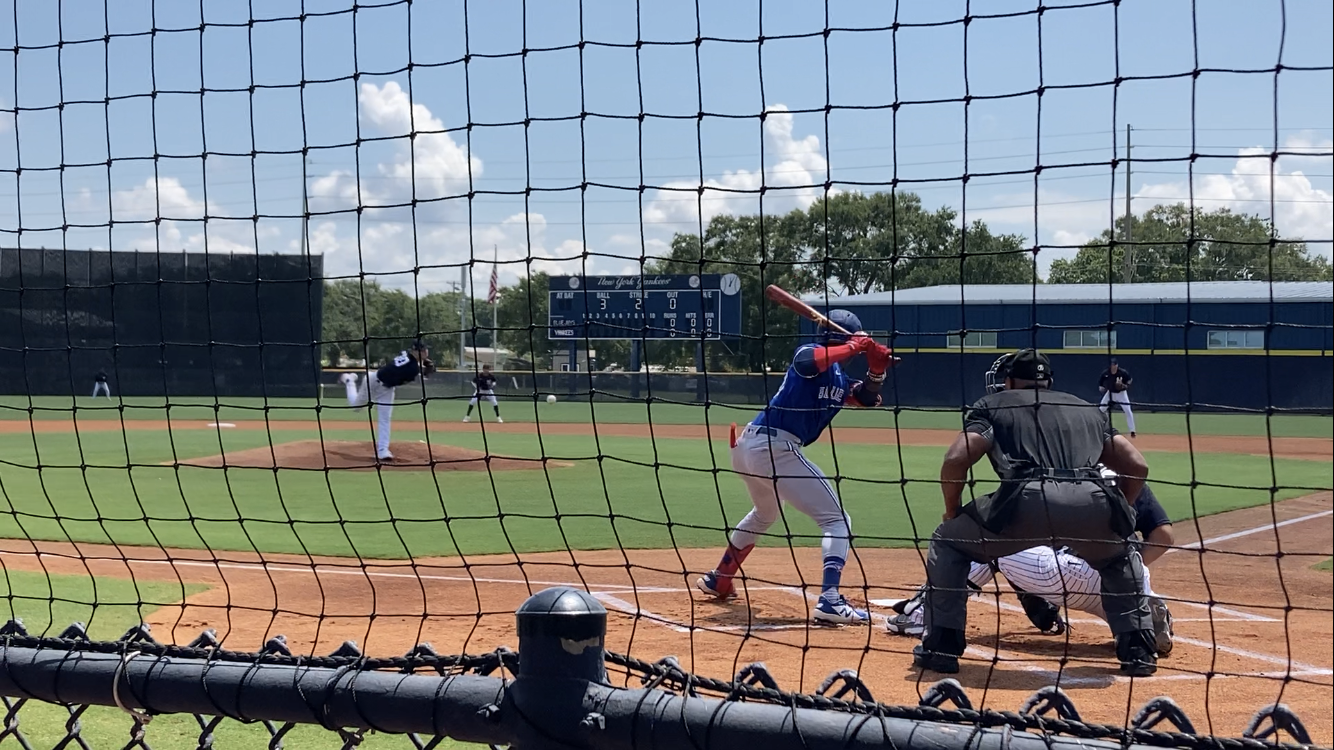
(560, 697)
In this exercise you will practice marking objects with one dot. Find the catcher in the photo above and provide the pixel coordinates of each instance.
(1113, 384)
(1045, 446)
(378, 388)
(1047, 579)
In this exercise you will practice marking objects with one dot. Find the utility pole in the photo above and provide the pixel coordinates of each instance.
(463, 317)
(1128, 273)
(305, 208)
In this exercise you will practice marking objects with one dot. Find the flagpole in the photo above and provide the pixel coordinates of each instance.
(495, 310)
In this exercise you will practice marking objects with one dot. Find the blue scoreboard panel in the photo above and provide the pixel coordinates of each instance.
(686, 306)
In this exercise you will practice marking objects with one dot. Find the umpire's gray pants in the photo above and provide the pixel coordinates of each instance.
(1077, 515)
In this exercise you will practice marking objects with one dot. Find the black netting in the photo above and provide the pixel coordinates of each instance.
(232, 235)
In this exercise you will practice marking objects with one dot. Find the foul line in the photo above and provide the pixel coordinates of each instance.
(325, 570)
(1248, 532)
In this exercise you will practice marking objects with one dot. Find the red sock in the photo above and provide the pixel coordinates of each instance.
(732, 560)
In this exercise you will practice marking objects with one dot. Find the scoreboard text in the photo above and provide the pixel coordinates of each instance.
(686, 306)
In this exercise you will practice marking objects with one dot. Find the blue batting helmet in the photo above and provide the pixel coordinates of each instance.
(849, 322)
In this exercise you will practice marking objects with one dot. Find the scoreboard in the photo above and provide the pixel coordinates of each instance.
(665, 306)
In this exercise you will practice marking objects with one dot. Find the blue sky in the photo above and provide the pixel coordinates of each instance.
(859, 69)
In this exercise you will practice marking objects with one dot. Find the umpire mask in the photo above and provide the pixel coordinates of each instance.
(1000, 369)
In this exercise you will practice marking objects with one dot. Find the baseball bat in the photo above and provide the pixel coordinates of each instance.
(781, 296)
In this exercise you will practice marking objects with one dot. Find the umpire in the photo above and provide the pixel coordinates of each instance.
(1044, 446)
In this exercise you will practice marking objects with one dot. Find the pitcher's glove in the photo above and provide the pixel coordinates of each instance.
(1044, 615)
(428, 367)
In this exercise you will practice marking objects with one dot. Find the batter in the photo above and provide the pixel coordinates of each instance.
(768, 456)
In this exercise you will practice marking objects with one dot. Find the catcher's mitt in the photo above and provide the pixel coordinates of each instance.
(1044, 615)
(1162, 626)
(428, 367)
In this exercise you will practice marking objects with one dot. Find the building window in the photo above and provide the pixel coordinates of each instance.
(1236, 339)
(972, 340)
(1090, 339)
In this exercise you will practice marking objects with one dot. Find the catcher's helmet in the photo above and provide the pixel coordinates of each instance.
(851, 323)
(995, 377)
(418, 345)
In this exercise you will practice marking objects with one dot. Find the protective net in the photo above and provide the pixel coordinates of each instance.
(330, 333)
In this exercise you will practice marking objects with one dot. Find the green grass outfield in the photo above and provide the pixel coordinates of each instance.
(660, 412)
(622, 492)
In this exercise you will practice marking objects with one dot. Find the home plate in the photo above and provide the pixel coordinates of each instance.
(220, 424)
(884, 602)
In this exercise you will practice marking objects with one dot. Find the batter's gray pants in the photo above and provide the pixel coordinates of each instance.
(1074, 514)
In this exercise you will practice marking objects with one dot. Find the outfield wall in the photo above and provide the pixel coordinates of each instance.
(1163, 382)
(183, 324)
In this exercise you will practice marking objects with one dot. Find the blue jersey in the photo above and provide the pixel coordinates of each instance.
(808, 400)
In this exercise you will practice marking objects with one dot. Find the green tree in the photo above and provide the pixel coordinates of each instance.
(760, 253)
(522, 317)
(1176, 243)
(870, 243)
(362, 319)
(975, 256)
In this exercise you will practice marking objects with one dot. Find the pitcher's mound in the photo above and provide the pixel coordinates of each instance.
(350, 454)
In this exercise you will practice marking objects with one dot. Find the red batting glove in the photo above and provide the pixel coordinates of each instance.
(861, 343)
(879, 359)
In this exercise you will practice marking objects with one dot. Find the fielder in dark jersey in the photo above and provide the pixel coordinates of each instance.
(1045, 447)
(484, 387)
(1114, 386)
(378, 388)
(100, 384)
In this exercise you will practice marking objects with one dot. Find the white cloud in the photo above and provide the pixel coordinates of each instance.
(797, 164)
(162, 196)
(182, 225)
(1300, 209)
(438, 166)
(359, 226)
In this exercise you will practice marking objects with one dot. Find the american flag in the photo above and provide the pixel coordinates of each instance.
(494, 291)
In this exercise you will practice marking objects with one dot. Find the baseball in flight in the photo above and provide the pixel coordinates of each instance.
(551, 399)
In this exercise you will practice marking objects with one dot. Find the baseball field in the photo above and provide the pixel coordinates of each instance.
(257, 518)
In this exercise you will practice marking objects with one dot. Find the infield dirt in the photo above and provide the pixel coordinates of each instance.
(1265, 639)
(1253, 625)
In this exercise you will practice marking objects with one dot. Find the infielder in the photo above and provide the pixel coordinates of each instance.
(767, 454)
(1113, 385)
(1047, 579)
(100, 384)
(378, 388)
(484, 387)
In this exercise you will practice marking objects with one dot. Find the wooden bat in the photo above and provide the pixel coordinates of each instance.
(782, 297)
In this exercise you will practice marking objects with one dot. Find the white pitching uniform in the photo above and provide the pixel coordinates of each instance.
(378, 388)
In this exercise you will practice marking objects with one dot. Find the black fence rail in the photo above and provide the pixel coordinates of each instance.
(555, 692)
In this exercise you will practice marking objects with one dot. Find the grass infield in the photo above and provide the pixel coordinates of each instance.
(604, 412)
(622, 492)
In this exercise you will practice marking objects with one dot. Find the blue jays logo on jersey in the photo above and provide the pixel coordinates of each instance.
(835, 393)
